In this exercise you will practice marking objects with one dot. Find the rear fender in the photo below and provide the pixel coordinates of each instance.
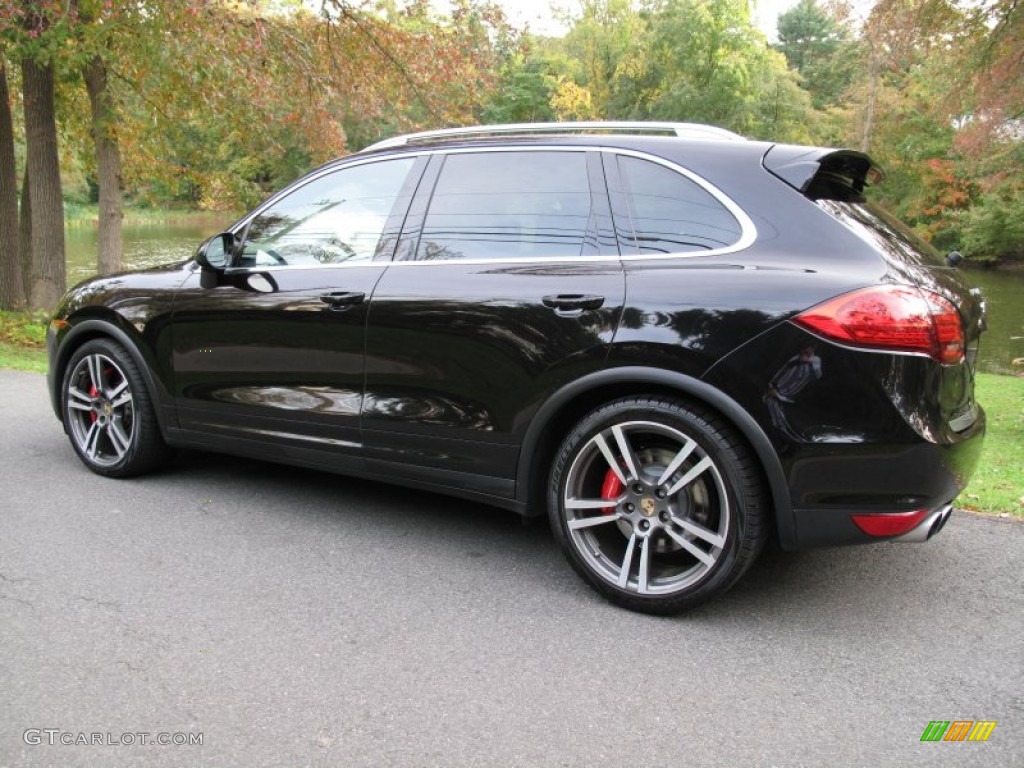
(636, 378)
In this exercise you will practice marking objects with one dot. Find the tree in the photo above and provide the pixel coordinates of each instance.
(25, 235)
(941, 109)
(703, 61)
(601, 43)
(47, 210)
(33, 31)
(820, 48)
(992, 78)
(108, 166)
(271, 92)
(12, 286)
(994, 226)
(523, 92)
(96, 33)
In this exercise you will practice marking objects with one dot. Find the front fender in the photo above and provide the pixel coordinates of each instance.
(111, 325)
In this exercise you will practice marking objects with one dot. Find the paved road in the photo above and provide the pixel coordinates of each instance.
(295, 618)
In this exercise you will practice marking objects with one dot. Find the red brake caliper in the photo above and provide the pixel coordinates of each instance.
(93, 392)
(611, 488)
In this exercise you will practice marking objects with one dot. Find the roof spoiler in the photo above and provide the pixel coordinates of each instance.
(822, 173)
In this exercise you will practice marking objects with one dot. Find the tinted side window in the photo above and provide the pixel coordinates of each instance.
(499, 205)
(336, 218)
(673, 214)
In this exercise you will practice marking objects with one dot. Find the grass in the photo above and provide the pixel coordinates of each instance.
(997, 487)
(23, 341)
(86, 214)
(22, 358)
(23, 329)
(998, 483)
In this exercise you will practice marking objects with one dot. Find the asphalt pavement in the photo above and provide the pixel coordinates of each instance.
(291, 618)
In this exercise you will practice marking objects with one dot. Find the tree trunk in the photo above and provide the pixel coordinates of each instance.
(108, 164)
(12, 289)
(25, 236)
(47, 215)
(869, 110)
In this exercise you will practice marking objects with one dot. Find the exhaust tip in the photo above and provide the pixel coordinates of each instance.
(941, 520)
(931, 525)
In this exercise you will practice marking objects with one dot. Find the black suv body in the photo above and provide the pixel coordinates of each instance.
(672, 345)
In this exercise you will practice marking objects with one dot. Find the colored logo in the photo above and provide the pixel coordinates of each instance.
(958, 730)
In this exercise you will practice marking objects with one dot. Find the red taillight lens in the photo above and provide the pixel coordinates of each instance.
(889, 523)
(894, 317)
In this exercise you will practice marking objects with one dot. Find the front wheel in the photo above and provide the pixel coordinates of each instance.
(108, 413)
(659, 505)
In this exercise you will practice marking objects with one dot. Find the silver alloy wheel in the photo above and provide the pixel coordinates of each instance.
(641, 485)
(100, 410)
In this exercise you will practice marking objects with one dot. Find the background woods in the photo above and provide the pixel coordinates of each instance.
(214, 103)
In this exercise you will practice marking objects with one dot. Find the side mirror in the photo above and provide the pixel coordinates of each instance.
(216, 253)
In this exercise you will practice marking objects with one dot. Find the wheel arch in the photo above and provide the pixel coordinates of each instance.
(570, 403)
(92, 328)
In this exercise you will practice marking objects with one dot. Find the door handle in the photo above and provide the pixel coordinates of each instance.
(342, 299)
(570, 302)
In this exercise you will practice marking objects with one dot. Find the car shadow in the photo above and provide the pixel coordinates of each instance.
(792, 587)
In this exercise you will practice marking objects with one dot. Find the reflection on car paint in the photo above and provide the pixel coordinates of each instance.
(435, 411)
(317, 399)
(790, 380)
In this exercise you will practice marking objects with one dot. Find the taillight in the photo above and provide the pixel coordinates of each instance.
(889, 523)
(892, 317)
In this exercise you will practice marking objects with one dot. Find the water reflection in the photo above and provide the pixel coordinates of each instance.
(146, 243)
(1004, 339)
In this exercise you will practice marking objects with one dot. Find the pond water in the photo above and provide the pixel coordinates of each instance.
(146, 243)
(175, 237)
(1004, 340)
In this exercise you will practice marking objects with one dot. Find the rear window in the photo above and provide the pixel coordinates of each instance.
(884, 231)
(672, 213)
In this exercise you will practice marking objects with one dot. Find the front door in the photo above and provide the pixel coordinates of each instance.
(274, 352)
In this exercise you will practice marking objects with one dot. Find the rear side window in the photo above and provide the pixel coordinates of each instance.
(672, 213)
(508, 205)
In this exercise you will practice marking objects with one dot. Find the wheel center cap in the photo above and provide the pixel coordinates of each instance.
(648, 506)
(107, 409)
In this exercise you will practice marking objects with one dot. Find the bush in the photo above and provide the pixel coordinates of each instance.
(994, 226)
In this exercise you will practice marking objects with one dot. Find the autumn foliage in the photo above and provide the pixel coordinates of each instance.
(216, 103)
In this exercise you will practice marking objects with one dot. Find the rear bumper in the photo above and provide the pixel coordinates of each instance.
(880, 480)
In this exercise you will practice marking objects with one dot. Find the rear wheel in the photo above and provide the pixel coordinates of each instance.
(108, 413)
(657, 504)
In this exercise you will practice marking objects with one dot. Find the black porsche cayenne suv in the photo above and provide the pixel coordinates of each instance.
(673, 341)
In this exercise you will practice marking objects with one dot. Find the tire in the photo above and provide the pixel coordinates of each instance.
(108, 413)
(659, 505)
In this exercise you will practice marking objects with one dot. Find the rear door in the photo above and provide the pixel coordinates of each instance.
(507, 285)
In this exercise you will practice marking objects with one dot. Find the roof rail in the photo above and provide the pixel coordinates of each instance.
(688, 130)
